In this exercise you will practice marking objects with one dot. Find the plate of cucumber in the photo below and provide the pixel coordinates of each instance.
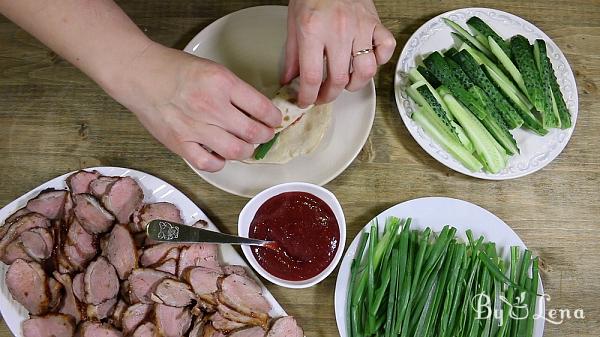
(486, 93)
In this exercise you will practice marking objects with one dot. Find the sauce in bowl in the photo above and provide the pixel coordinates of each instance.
(306, 232)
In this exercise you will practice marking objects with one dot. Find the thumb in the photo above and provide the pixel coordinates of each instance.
(291, 67)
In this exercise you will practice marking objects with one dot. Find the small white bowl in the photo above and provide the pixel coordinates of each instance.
(249, 211)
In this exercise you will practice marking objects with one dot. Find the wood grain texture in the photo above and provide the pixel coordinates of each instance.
(53, 120)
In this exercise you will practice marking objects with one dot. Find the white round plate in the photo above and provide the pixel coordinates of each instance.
(155, 190)
(536, 151)
(251, 42)
(436, 212)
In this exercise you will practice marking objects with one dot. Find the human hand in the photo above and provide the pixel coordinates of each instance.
(193, 106)
(336, 29)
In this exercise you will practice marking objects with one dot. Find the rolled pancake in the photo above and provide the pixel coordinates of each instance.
(300, 138)
(285, 100)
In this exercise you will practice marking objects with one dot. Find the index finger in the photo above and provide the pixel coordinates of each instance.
(255, 104)
(311, 71)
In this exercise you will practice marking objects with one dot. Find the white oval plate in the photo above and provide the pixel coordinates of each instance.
(536, 151)
(155, 190)
(436, 212)
(251, 42)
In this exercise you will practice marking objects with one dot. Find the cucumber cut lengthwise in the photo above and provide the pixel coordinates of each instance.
(443, 72)
(464, 34)
(474, 71)
(525, 61)
(559, 106)
(494, 123)
(508, 64)
(483, 141)
(480, 28)
(428, 99)
(431, 100)
(427, 120)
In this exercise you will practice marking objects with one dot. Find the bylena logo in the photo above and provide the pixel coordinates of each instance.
(518, 310)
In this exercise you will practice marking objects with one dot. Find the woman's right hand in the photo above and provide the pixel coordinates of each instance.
(195, 107)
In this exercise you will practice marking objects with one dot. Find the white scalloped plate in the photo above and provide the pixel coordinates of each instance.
(250, 42)
(436, 212)
(536, 151)
(155, 190)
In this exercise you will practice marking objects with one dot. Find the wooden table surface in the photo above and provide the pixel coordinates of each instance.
(53, 119)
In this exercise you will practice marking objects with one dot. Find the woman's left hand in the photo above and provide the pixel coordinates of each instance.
(345, 37)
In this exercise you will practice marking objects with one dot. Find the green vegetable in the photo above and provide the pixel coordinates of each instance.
(508, 64)
(474, 71)
(423, 95)
(529, 120)
(446, 75)
(464, 34)
(479, 135)
(491, 119)
(428, 77)
(524, 59)
(507, 86)
(480, 28)
(261, 151)
(559, 106)
(495, 124)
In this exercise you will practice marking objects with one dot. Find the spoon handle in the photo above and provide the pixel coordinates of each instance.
(167, 231)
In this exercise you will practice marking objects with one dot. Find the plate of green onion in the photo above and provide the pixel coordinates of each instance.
(439, 267)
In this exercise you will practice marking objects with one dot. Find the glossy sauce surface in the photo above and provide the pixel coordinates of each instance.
(306, 232)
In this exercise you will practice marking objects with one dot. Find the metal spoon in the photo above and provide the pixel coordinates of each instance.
(167, 231)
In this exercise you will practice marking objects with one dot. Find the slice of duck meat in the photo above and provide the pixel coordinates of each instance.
(234, 269)
(250, 332)
(173, 293)
(96, 329)
(11, 218)
(172, 321)
(91, 214)
(121, 251)
(49, 203)
(203, 282)
(169, 266)
(101, 311)
(101, 282)
(223, 324)
(38, 243)
(21, 225)
(77, 261)
(243, 295)
(198, 328)
(155, 211)
(235, 316)
(51, 325)
(134, 316)
(28, 285)
(15, 251)
(210, 331)
(79, 182)
(85, 242)
(79, 287)
(70, 304)
(158, 253)
(116, 316)
(142, 283)
(147, 329)
(198, 255)
(99, 186)
(286, 327)
(122, 198)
